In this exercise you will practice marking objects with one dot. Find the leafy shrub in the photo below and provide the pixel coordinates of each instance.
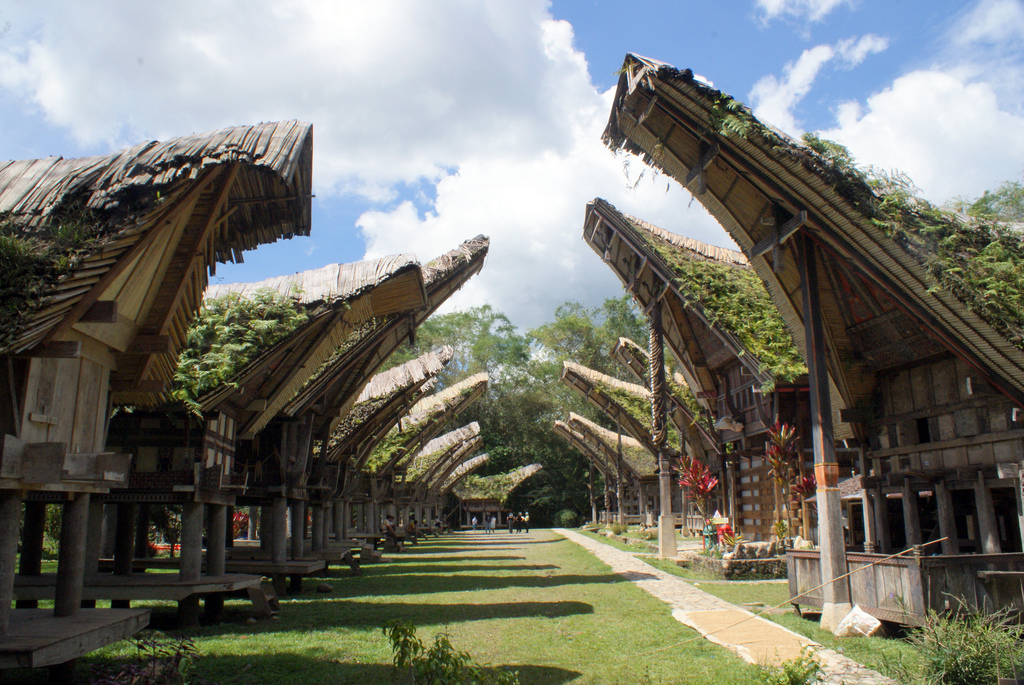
(439, 664)
(567, 518)
(162, 660)
(619, 528)
(958, 650)
(803, 670)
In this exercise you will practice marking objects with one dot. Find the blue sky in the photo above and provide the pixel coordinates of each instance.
(436, 121)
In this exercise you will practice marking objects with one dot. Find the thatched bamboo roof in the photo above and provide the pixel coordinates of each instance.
(685, 410)
(625, 403)
(592, 452)
(461, 471)
(431, 485)
(340, 381)
(891, 291)
(426, 419)
(498, 487)
(139, 230)
(715, 309)
(383, 400)
(340, 298)
(637, 460)
(434, 453)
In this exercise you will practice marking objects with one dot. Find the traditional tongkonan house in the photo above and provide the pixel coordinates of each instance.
(337, 388)
(883, 296)
(384, 467)
(482, 496)
(630, 472)
(629, 407)
(385, 398)
(115, 255)
(311, 314)
(733, 351)
(434, 463)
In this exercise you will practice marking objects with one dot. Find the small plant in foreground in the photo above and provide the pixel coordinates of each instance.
(439, 664)
(619, 528)
(962, 650)
(162, 660)
(803, 670)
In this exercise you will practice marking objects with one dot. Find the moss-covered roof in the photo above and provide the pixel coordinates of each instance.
(497, 487)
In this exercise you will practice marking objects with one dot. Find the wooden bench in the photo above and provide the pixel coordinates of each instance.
(37, 638)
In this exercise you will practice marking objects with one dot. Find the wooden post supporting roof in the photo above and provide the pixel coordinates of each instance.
(659, 435)
(826, 469)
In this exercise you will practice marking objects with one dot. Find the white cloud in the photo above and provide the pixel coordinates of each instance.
(489, 101)
(992, 22)
(773, 100)
(947, 133)
(533, 210)
(811, 10)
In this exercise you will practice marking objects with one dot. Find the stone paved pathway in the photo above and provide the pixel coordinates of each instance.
(752, 638)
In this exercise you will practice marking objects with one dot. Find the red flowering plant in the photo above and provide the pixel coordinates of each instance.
(782, 459)
(696, 477)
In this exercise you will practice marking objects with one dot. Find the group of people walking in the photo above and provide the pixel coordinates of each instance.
(518, 521)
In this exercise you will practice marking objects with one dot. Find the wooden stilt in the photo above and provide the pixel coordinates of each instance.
(341, 519)
(213, 605)
(947, 522)
(298, 518)
(229, 527)
(10, 522)
(124, 546)
(31, 562)
(109, 530)
(659, 434)
(93, 544)
(881, 506)
(267, 523)
(317, 530)
(278, 530)
(142, 532)
(911, 516)
(986, 517)
(191, 561)
(836, 595)
(867, 509)
(67, 600)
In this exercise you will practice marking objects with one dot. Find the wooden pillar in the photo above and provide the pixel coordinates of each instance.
(267, 529)
(278, 530)
(986, 517)
(836, 595)
(730, 478)
(10, 522)
(124, 545)
(229, 527)
(298, 520)
(659, 434)
(255, 513)
(317, 532)
(67, 600)
(341, 519)
(866, 508)
(142, 531)
(590, 492)
(109, 530)
(94, 544)
(32, 533)
(191, 562)
(881, 506)
(947, 521)
(213, 604)
(911, 516)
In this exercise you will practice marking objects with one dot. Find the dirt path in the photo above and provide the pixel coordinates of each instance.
(752, 638)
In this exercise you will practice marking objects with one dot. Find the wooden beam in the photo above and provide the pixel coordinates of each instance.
(150, 344)
(151, 386)
(101, 311)
(129, 255)
(60, 349)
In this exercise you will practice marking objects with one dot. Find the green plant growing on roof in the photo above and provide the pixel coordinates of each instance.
(229, 333)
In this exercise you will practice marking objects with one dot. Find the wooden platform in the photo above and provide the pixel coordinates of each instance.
(38, 639)
(139, 586)
(247, 564)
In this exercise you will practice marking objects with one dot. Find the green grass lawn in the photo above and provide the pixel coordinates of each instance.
(539, 603)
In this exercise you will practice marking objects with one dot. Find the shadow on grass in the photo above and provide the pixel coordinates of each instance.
(415, 583)
(281, 667)
(427, 567)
